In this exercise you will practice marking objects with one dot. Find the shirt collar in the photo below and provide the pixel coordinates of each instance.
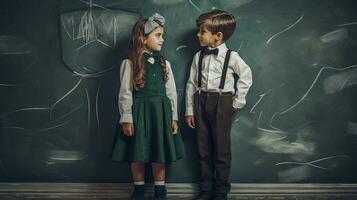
(222, 50)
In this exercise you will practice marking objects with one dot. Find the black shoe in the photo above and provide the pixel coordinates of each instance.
(220, 196)
(138, 193)
(203, 195)
(160, 192)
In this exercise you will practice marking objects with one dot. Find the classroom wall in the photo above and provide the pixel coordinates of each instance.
(59, 64)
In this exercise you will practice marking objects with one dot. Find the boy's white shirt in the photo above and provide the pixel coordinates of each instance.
(212, 67)
(125, 99)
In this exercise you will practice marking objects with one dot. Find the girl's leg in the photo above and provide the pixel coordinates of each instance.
(138, 174)
(159, 170)
(138, 171)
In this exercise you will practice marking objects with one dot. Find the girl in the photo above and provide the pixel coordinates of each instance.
(148, 108)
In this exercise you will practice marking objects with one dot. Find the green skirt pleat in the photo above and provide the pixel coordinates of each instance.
(153, 140)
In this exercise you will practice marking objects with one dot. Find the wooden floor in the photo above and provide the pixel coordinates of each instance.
(182, 191)
(29, 197)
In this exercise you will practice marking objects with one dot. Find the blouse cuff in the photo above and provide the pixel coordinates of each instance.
(126, 118)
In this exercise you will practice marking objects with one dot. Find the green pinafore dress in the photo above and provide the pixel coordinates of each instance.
(153, 140)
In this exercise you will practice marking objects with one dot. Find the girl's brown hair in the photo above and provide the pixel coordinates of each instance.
(136, 55)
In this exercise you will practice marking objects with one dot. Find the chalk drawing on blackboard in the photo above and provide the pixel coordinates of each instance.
(340, 81)
(65, 155)
(97, 106)
(335, 36)
(64, 96)
(67, 114)
(240, 46)
(91, 4)
(286, 29)
(347, 24)
(181, 47)
(88, 106)
(194, 5)
(23, 109)
(10, 85)
(261, 96)
(308, 91)
(90, 37)
(95, 75)
(314, 163)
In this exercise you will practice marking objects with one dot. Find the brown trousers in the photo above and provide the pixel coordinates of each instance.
(213, 116)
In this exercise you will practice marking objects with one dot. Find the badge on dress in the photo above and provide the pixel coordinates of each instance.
(151, 60)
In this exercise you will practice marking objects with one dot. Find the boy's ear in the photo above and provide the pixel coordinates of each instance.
(219, 36)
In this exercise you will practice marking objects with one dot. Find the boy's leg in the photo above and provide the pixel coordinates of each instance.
(204, 142)
(222, 142)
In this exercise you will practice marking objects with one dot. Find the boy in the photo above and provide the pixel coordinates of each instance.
(211, 100)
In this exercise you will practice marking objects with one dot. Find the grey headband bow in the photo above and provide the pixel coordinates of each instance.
(153, 22)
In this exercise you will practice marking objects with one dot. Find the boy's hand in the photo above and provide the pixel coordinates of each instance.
(128, 129)
(190, 120)
(174, 127)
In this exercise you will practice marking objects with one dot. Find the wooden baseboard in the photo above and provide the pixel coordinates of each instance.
(179, 190)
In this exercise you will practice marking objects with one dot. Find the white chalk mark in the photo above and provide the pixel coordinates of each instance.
(266, 130)
(198, 9)
(85, 44)
(263, 95)
(97, 107)
(275, 35)
(20, 110)
(13, 127)
(312, 85)
(105, 44)
(271, 121)
(68, 93)
(65, 28)
(312, 163)
(88, 111)
(10, 85)
(181, 47)
(240, 46)
(53, 127)
(93, 75)
(67, 114)
(115, 31)
(91, 4)
(347, 24)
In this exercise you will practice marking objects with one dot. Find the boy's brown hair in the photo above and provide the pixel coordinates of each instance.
(218, 21)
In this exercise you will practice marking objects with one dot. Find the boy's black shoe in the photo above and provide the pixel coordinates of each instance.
(220, 196)
(160, 192)
(204, 195)
(138, 193)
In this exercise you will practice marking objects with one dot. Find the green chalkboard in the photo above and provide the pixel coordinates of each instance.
(59, 64)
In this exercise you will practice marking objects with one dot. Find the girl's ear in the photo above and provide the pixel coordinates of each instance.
(219, 36)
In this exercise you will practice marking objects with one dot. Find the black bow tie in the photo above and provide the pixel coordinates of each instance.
(207, 51)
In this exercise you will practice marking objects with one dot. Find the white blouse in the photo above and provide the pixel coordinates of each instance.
(126, 91)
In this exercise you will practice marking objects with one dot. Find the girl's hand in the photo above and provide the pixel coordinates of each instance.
(190, 120)
(174, 127)
(128, 129)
